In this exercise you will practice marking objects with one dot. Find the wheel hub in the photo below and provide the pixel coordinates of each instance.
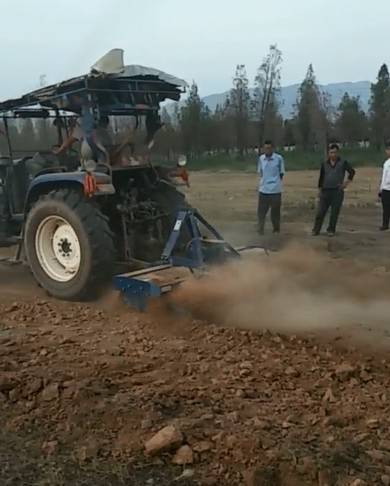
(65, 247)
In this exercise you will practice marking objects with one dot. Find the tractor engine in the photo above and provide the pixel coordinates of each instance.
(143, 224)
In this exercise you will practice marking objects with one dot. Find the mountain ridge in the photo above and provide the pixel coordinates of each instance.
(288, 96)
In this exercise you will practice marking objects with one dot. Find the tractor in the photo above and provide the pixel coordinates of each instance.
(78, 221)
(104, 211)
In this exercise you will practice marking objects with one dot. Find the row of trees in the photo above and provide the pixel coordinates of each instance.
(251, 115)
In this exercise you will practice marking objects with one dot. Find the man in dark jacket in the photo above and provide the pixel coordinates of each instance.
(331, 186)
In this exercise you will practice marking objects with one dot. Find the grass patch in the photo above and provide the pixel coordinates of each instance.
(294, 160)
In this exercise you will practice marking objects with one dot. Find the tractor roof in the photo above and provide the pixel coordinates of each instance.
(115, 88)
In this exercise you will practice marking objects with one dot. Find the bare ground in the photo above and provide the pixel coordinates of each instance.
(83, 387)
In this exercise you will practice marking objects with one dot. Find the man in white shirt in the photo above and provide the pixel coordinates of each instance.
(271, 171)
(384, 191)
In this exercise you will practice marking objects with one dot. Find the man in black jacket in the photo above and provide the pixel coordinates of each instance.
(331, 186)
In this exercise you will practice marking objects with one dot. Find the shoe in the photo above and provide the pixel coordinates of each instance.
(276, 232)
(315, 233)
(384, 228)
(331, 233)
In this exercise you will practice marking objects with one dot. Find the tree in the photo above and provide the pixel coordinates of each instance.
(267, 89)
(311, 113)
(289, 138)
(224, 128)
(191, 122)
(208, 129)
(166, 118)
(168, 138)
(175, 118)
(380, 107)
(273, 129)
(237, 107)
(351, 123)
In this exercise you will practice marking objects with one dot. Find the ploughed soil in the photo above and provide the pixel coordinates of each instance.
(295, 391)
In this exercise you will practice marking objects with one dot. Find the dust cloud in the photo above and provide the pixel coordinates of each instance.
(295, 290)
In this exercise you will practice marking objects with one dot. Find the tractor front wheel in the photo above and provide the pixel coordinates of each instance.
(68, 245)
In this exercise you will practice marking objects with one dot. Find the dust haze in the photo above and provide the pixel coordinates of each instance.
(295, 290)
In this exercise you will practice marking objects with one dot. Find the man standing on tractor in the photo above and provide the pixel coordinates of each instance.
(91, 147)
(331, 186)
(271, 170)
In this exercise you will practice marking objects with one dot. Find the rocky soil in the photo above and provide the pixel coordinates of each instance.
(123, 398)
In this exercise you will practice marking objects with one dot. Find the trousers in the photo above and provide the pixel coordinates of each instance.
(333, 199)
(267, 201)
(386, 208)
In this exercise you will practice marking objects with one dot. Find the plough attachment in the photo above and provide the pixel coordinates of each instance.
(187, 254)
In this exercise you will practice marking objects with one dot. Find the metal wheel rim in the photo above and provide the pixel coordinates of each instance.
(58, 249)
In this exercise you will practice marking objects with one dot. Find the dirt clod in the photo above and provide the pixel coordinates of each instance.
(51, 392)
(50, 447)
(8, 381)
(358, 482)
(345, 371)
(183, 456)
(33, 386)
(167, 438)
(202, 446)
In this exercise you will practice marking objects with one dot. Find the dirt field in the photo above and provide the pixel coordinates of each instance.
(281, 378)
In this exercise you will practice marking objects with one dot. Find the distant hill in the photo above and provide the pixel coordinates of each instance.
(289, 95)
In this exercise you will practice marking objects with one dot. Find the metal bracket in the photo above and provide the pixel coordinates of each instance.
(191, 219)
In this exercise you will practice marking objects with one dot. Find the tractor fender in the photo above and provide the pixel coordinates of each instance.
(45, 183)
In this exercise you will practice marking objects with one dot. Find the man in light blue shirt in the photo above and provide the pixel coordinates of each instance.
(271, 170)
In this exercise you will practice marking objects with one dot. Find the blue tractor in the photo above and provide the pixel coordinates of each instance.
(80, 215)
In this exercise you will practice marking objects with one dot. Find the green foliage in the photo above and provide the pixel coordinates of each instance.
(244, 121)
(267, 88)
(311, 118)
(352, 123)
(192, 116)
(296, 160)
(380, 107)
(238, 106)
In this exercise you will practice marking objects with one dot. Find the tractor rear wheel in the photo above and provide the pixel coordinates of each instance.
(69, 245)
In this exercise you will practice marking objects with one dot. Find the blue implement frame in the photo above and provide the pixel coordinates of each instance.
(195, 256)
(140, 286)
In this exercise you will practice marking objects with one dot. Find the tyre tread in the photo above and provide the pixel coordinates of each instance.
(99, 234)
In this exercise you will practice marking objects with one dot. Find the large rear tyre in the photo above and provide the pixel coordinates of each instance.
(68, 245)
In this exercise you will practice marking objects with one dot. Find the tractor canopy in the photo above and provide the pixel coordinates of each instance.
(110, 88)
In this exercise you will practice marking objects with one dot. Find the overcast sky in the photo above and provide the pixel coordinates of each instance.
(199, 40)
